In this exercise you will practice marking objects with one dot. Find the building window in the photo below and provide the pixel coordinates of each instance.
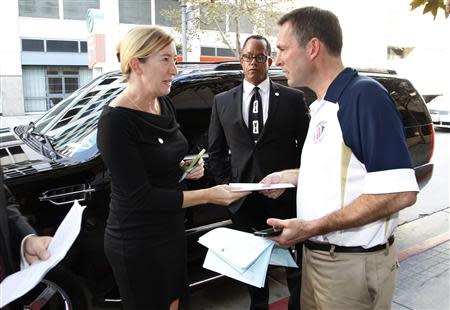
(83, 47)
(225, 52)
(166, 5)
(78, 9)
(62, 46)
(208, 51)
(135, 12)
(62, 81)
(39, 8)
(29, 45)
(36, 45)
(34, 88)
(46, 86)
(216, 51)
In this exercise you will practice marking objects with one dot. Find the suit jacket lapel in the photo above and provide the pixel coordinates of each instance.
(274, 100)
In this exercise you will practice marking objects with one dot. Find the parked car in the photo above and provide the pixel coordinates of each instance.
(57, 162)
(439, 109)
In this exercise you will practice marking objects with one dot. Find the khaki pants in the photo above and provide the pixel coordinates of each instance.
(348, 281)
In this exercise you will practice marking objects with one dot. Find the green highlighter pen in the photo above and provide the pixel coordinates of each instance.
(192, 165)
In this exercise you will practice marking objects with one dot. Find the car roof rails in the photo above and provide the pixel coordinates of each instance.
(219, 66)
(377, 70)
(229, 65)
(236, 65)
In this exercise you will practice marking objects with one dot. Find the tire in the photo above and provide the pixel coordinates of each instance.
(64, 291)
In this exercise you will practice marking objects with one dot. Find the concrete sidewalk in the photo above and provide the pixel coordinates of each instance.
(423, 280)
(424, 277)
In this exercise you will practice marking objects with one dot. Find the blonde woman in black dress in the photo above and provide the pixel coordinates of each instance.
(142, 147)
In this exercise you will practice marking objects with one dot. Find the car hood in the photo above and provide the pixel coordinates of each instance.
(18, 160)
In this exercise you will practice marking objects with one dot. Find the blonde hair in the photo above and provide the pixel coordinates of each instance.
(140, 42)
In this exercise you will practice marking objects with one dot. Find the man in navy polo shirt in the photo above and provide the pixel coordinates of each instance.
(355, 173)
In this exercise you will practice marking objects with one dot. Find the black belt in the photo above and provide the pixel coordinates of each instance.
(346, 249)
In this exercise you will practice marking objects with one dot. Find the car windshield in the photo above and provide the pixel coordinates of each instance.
(71, 125)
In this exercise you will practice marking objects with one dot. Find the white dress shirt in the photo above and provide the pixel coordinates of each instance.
(247, 93)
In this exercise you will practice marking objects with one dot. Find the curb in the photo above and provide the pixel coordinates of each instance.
(423, 246)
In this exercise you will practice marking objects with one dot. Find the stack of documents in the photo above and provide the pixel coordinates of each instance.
(243, 256)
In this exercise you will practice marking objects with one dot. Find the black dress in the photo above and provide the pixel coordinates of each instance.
(145, 237)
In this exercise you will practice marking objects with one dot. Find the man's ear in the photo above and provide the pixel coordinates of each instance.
(314, 47)
(269, 61)
(134, 64)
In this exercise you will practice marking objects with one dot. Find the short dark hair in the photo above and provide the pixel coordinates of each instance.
(311, 22)
(258, 37)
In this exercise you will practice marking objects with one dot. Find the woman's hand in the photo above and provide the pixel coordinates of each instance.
(222, 195)
(197, 172)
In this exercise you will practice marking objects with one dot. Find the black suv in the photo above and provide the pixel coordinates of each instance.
(56, 161)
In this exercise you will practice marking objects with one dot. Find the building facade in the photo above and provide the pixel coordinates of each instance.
(49, 49)
(45, 48)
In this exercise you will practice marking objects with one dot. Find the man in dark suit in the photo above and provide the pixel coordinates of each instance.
(263, 126)
(17, 238)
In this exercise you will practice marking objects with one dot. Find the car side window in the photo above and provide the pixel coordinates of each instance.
(309, 95)
(409, 102)
(193, 103)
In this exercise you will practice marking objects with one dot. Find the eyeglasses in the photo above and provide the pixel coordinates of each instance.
(259, 58)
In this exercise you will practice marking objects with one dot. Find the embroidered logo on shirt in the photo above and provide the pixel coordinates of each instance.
(319, 131)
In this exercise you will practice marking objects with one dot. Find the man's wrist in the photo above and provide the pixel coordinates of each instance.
(23, 261)
(320, 226)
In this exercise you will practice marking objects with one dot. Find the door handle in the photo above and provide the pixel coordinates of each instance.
(66, 195)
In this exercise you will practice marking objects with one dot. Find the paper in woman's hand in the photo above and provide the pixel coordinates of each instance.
(249, 187)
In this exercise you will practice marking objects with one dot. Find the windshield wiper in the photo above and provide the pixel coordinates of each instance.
(47, 148)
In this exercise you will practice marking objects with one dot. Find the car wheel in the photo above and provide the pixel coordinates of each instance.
(60, 289)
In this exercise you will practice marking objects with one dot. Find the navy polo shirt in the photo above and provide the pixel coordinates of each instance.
(355, 145)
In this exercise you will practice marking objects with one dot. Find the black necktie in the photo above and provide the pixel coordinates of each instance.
(255, 115)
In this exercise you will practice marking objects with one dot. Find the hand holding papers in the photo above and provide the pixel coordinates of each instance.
(242, 256)
(248, 187)
(19, 283)
(269, 232)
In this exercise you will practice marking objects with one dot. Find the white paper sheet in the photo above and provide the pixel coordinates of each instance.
(19, 283)
(242, 256)
(282, 257)
(239, 249)
(249, 187)
(254, 275)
